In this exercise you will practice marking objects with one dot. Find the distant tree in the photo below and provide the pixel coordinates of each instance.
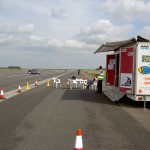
(14, 67)
(2, 68)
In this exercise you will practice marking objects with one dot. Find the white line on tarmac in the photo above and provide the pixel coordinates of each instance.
(15, 76)
(14, 92)
(27, 75)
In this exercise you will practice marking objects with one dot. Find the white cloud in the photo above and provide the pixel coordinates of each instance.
(74, 44)
(104, 30)
(15, 29)
(27, 28)
(126, 10)
(58, 42)
(87, 41)
(36, 38)
(13, 35)
(5, 38)
(145, 32)
(54, 43)
(7, 28)
(57, 12)
(40, 8)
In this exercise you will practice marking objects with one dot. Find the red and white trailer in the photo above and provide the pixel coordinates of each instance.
(128, 69)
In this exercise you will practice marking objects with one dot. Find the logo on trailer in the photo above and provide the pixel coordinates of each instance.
(145, 58)
(144, 70)
(144, 47)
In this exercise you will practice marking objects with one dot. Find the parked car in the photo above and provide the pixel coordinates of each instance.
(35, 71)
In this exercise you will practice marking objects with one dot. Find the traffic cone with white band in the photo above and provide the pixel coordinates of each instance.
(36, 83)
(68, 83)
(19, 88)
(78, 141)
(1, 94)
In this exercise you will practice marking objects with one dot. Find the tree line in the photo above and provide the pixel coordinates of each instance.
(11, 67)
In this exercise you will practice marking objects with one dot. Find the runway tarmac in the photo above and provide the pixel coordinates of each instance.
(11, 79)
(46, 118)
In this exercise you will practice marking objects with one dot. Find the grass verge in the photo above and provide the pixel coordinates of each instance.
(92, 72)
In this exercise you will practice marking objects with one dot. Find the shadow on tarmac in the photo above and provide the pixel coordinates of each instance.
(86, 95)
(92, 96)
(127, 102)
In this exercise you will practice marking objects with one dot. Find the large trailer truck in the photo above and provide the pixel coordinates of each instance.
(128, 69)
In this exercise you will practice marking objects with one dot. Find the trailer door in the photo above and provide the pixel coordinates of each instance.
(126, 70)
(110, 69)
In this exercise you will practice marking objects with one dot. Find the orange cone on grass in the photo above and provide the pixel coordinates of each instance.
(68, 83)
(36, 83)
(78, 141)
(19, 88)
(1, 94)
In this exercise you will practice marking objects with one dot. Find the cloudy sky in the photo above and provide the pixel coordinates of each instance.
(65, 33)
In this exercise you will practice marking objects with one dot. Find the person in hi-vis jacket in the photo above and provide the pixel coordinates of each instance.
(100, 78)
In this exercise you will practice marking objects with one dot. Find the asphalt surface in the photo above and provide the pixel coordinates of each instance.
(9, 80)
(46, 118)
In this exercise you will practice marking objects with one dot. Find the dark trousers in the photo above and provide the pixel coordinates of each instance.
(89, 83)
(99, 85)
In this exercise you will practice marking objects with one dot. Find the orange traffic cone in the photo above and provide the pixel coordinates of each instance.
(78, 141)
(19, 88)
(36, 83)
(1, 94)
(68, 83)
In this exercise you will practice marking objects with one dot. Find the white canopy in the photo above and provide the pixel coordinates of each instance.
(112, 46)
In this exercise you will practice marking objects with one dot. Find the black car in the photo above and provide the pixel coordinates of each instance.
(35, 71)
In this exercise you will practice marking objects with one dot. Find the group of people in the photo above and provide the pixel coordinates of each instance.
(98, 78)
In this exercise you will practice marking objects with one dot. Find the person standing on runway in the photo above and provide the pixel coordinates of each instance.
(100, 78)
(78, 71)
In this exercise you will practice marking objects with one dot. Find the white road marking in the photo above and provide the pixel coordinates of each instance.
(28, 75)
(16, 75)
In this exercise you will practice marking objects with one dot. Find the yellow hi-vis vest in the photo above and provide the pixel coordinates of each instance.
(101, 76)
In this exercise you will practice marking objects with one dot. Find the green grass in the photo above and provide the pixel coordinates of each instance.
(92, 72)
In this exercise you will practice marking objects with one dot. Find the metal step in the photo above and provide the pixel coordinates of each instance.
(113, 94)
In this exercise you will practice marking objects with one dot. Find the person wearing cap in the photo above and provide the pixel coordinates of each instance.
(100, 78)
